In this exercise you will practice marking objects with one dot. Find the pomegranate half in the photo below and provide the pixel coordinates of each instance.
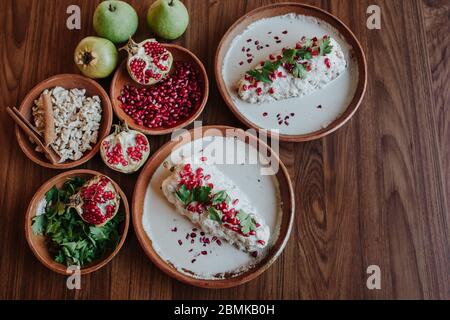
(125, 150)
(148, 62)
(97, 201)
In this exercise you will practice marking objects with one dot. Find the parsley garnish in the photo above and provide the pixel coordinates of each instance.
(220, 197)
(291, 57)
(184, 195)
(299, 71)
(263, 74)
(246, 221)
(325, 47)
(198, 194)
(215, 214)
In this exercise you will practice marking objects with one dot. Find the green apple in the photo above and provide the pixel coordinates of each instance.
(115, 20)
(168, 19)
(96, 57)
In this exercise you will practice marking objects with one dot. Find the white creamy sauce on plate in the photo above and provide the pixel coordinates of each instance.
(305, 114)
(167, 228)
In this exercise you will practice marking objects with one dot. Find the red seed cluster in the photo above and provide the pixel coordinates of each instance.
(136, 152)
(92, 196)
(168, 102)
(114, 154)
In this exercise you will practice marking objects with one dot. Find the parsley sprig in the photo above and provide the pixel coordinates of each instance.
(246, 221)
(71, 240)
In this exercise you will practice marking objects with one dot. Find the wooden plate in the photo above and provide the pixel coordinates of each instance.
(122, 78)
(37, 242)
(284, 220)
(67, 81)
(348, 107)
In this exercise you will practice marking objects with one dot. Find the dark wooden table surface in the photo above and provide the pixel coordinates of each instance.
(374, 193)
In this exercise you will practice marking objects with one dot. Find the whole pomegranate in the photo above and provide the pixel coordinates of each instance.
(125, 150)
(148, 62)
(97, 201)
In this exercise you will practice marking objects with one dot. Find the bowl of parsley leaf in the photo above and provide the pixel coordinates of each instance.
(57, 235)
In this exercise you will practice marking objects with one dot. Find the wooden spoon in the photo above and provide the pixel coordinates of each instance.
(31, 131)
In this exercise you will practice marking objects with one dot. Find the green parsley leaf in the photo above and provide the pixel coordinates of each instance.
(246, 222)
(201, 194)
(184, 195)
(325, 47)
(263, 74)
(299, 71)
(289, 56)
(51, 194)
(304, 54)
(220, 197)
(260, 75)
(97, 233)
(39, 224)
(215, 214)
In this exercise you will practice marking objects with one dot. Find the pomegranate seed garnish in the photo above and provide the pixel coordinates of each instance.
(180, 242)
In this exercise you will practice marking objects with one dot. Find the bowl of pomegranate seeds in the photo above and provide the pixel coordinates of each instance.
(77, 220)
(175, 101)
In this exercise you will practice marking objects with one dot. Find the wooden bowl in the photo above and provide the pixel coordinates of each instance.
(122, 78)
(67, 81)
(37, 242)
(287, 217)
(280, 9)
